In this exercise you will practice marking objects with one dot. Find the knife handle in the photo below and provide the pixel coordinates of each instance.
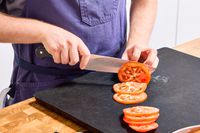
(41, 53)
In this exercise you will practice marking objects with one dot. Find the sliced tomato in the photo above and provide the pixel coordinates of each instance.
(142, 118)
(137, 122)
(130, 99)
(134, 71)
(144, 128)
(141, 111)
(133, 88)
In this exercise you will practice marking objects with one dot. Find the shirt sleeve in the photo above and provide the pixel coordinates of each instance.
(2, 6)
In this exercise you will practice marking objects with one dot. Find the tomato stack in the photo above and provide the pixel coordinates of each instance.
(130, 92)
(135, 78)
(141, 118)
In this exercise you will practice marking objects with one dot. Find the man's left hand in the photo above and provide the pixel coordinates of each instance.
(146, 55)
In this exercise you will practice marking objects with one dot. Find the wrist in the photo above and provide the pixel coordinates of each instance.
(43, 32)
(136, 43)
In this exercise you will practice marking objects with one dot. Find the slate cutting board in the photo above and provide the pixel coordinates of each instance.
(174, 89)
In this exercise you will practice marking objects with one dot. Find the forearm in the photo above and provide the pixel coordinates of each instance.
(142, 18)
(20, 30)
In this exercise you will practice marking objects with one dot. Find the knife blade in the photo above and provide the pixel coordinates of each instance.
(104, 64)
(96, 62)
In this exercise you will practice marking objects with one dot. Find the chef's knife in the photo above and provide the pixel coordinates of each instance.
(96, 62)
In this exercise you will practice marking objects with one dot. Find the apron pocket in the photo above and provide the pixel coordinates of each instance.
(97, 12)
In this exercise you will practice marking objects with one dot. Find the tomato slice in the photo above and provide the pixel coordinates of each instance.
(144, 128)
(130, 99)
(141, 111)
(142, 118)
(133, 88)
(137, 122)
(134, 71)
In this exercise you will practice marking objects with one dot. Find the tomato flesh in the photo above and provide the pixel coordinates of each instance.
(142, 118)
(134, 71)
(130, 99)
(133, 88)
(137, 122)
(141, 111)
(144, 128)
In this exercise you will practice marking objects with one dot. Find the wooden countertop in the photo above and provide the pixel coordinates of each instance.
(191, 47)
(30, 117)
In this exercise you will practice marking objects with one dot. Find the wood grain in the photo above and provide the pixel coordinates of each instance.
(30, 117)
(191, 47)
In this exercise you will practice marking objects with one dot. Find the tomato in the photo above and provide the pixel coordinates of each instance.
(133, 88)
(144, 128)
(137, 122)
(130, 99)
(142, 118)
(141, 111)
(134, 71)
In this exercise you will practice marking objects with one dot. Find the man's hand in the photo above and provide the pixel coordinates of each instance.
(65, 47)
(142, 18)
(145, 55)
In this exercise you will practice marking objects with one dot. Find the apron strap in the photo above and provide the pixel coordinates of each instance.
(45, 70)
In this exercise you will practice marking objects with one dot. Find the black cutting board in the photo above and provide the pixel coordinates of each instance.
(174, 89)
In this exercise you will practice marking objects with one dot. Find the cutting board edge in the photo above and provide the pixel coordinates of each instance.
(67, 116)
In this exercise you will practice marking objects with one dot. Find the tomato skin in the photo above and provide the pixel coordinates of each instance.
(134, 71)
(129, 99)
(142, 118)
(133, 88)
(144, 128)
(141, 111)
(137, 122)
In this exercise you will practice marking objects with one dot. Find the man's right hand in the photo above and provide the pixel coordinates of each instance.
(65, 47)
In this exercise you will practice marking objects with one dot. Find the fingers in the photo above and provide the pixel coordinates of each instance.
(85, 54)
(146, 56)
(125, 55)
(65, 55)
(73, 54)
(156, 62)
(151, 56)
(56, 54)
(151, 59)
(69, 53)
(134, 54)
(154, 65)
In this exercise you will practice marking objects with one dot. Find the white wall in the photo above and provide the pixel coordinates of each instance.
(164, 33)
(178, 21)
(188, 20)
(6, 65)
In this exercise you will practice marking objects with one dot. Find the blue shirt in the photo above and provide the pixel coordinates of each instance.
(101, 24)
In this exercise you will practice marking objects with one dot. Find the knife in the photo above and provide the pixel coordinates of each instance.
(96, 62)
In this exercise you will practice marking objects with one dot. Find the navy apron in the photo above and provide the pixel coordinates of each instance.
(101, 24)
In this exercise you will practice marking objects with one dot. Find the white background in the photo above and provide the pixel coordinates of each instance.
(178, 21)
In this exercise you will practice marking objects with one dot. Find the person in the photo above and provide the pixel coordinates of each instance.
(70, 30)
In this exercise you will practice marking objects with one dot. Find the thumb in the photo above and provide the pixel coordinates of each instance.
(85, 55)
(125, 56)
